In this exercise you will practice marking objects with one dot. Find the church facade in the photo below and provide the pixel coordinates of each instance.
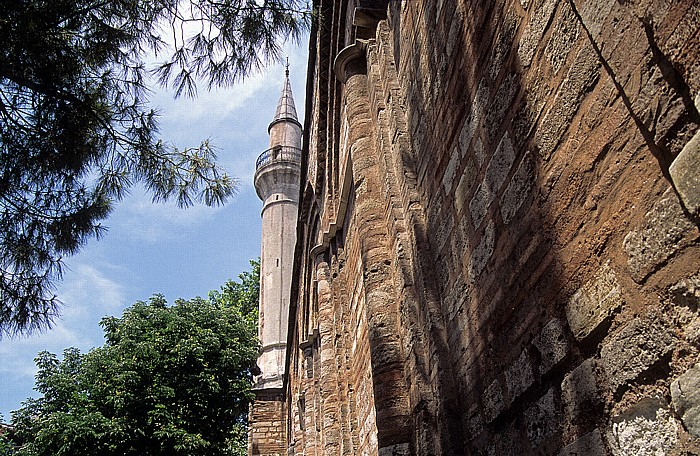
(496, 244)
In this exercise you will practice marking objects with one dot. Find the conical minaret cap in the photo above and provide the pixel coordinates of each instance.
(286, 111)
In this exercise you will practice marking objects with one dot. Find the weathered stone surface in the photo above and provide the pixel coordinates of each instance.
(493, 401)
(542, 419)
(580, 77)
(687, 292)
(518, 189)
(594, 303)
(685, 399)
(685, 173)
(519, 376)
(502, 101)
(466, 183)
(658, 239)
(476, 114)
(402, 449)
(541, 12)
(474, 422)
(552, 345)
(590, 444)
(496, 172)
(442, 232)
(449, 175)
(645, 429)
(500, 164)
(508, 442)
(479, 152)
(479, 205)
(594, 13)
(482, 252)
(563, 37)
(580, 389)
(455, 31)
(633, 350)
(502, 45)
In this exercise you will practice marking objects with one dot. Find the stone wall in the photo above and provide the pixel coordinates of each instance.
(267, 424)
(498, 247)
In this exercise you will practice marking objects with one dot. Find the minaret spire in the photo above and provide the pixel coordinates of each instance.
(286, 111)
(277, 181)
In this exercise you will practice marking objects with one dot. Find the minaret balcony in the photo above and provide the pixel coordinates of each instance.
(278, 154)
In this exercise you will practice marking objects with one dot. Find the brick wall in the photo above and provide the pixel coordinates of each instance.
(267, 433)
(498, 247)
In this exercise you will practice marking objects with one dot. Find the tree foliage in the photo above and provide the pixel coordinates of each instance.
(76, 131)
(168, 381)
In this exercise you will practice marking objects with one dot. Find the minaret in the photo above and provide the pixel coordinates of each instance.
(277, 181)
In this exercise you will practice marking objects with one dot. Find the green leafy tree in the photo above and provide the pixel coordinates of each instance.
(76, 131)
(168, 381)
(6, 447)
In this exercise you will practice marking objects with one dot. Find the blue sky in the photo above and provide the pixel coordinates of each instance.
(158, 248)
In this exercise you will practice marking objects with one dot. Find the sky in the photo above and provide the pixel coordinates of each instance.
(156, 247)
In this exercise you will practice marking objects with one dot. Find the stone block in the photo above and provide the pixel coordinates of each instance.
(443, 231)
(449, 176)
(502, 102)
(519, 376)
(466, 183)
(502, 44)
(455, 32)
(632, 351)
(661, 236)
(508, 441)
(581, 76)
(645, 429)
(467, 133)
(594, 13)
(500, 164)
(481, 99)
(541, 13)
(474, 422)
(401, 449)
(563, 38)
(594, 303)
(479, 151)
(580, 389)
(685, 399)
(493, 401)
(542, 419)
(518, 189)
(524, 118)
(552, 344)
(482, 252)
(479, 204)
(685, 173)
(496, 172)
(590, 444)
(687, 292)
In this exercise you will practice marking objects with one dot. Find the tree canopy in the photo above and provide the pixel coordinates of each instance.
(76, 131)
(169, 380)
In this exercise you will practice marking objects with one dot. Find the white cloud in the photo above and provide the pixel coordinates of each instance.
(89, 290)
(140, 218)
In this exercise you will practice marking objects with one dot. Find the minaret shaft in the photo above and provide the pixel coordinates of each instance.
(277, 180)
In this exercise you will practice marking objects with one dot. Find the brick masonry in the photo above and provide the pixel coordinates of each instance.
(498, 240)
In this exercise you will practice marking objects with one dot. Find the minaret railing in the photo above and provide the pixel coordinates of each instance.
(278, 154)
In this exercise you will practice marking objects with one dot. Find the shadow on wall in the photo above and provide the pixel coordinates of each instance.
(539, 136)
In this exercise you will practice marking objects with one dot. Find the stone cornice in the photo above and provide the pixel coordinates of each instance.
(351, 60)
